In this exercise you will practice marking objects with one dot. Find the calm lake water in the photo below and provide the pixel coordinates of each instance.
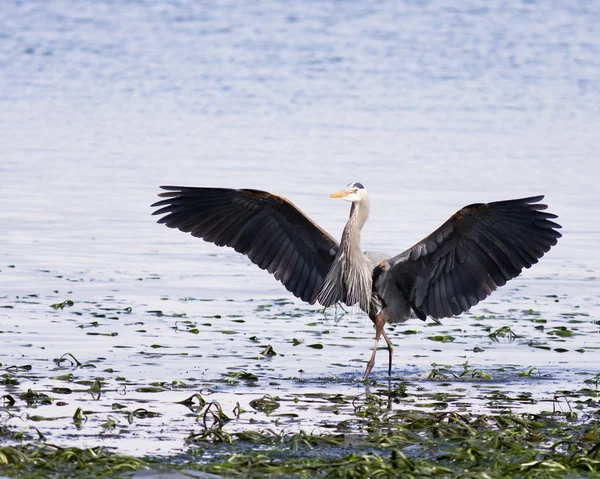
(432, 105)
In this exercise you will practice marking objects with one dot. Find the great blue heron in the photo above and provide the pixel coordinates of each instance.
(479, 248)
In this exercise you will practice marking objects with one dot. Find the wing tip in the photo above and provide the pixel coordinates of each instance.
(170, 192)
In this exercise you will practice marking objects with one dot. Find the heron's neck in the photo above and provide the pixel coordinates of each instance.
(358, 217)
(360, 212)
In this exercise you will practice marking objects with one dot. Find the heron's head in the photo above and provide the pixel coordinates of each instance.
(354, 192)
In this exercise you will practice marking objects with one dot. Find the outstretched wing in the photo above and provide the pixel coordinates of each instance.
(269, 229)
(478, 249)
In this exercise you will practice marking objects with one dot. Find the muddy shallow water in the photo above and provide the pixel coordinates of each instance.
(430, 106)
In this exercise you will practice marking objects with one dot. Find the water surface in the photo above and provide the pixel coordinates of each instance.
(430, 105)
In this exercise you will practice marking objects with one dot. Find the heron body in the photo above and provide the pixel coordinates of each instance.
(478, 249)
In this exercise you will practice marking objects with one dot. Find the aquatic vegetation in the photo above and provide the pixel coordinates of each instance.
(62, 304)
(47, 461)
(385, 442)
(248, 389)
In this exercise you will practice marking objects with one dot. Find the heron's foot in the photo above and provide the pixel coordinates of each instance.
(340, 305)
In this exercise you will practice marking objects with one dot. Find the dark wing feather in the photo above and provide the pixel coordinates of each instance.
(478, 249)
(269, 229)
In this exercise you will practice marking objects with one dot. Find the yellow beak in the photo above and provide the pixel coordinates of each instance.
(339, 194)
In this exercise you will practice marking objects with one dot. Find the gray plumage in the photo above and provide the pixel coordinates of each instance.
(350, 278)
(478, 249)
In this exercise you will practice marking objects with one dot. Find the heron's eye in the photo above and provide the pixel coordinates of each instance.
(355, 190)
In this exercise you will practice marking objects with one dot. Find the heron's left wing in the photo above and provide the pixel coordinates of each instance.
(478, 249)
(267, 228)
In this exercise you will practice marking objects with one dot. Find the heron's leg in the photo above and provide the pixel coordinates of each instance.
(390, 350)
(379, 324)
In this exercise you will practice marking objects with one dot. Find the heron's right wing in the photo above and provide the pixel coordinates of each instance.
(269, 229)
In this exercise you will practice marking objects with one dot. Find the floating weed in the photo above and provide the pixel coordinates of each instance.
(440, 373)
(79, 417)
(214, 435)
(96, 389)
(442, 338)
(268, 351)
(24, 367)
(9, 380)
(62, 305)
(474, 373)
(141, 413)
(503, 332)
(186, 326)
(8, 400)
(528, 372)
(102, 334)
(561, 331)
(195, 402)
(151, 389)
(263, 307)
(110, 423)
(266, 404)
(58, 390)
(302, 439)
(32, 397)
(593, 380)
(238, 410)
(68, 357)
(10, 434)
(539, 345)
(212, 416)
(538, 320)
(409, 331)
(245, 375)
